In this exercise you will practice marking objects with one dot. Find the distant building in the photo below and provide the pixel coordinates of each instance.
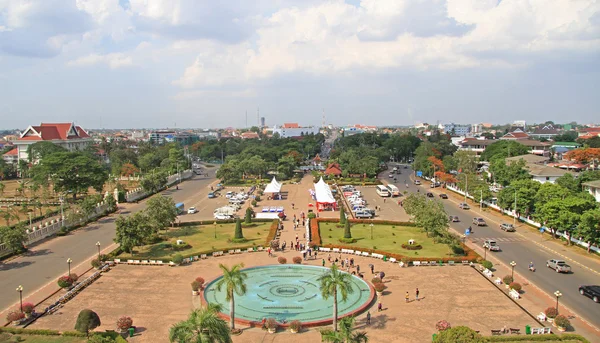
(457, 130)
(262, 122)
(250, 135)
(479, 145)
(522, 124)
(476, 128)
(186, 138)
(333, 169)
(517, 134)
(593, 187)
(161, 136)
(289, 130)
(12, 156)
(66, 135)
(547, 131)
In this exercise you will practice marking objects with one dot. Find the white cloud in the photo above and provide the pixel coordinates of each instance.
(114, 61)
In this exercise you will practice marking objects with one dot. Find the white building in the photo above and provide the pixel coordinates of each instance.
(66, 135)
(289, 130)
(593, 187)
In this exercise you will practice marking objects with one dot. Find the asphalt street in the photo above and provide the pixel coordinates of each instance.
(520, 249)
(47, 261)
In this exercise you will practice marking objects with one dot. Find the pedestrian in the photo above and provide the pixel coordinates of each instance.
(384, 200)
(352, 262)
(303, 224)
(407, 297)
(372, 268)
(381, 275)
(329, 257)
(323, 263)
(342, 263)
(379, 307)
(315, 254)
(304, 255)
(417, 294)
(294, 218)
(292, 206)
(368, 318)
(358, 269)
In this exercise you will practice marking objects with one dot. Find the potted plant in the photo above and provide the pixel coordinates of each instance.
(65, 282)
(271, 325)
(516, 286)
(442, 325)
(195, 287)
(15, 316)
(177, 259)
(282, 260)
(295, 326)
(124, 323)
(551, 313)
(562, 323)
(200, 281)
(375, 280)
(379, 288)
(507, 280)
(297, 259)
(28, 309)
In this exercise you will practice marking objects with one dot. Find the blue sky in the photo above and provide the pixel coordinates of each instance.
(193, 63)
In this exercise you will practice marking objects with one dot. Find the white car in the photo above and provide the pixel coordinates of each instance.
(220, 216)
(192, 210)
(491, 245)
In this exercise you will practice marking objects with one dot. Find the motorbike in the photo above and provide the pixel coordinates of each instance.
(531, 268)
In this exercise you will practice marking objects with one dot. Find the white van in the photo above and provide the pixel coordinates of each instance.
(382, 191)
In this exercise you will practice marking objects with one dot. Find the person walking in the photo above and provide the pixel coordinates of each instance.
(323, 263)
(384, 200)
(368, 318)
(357, 269)
(407, 297)
(379, 307)
(372, 268)
(381, 275)
(417, 294)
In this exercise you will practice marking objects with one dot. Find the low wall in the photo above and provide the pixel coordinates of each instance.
(139, 193)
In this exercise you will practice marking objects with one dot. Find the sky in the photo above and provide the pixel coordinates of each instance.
(195, 63)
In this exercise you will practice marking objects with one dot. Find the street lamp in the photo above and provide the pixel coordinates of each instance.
(484, 253)
(464, 238)
(512, 273)
(69, 261)
(557, 294)
(20, 290)
(98, 245)
(62, 214)
(371, 231)
(215, 229)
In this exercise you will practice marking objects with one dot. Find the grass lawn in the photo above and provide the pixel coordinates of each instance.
(202, 240)
(46, 339)
(385, 238)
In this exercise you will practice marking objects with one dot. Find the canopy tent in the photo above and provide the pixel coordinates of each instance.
(273, 187)
(324, 197)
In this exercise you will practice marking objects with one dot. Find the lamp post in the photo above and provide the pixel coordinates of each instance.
(62, 214)
(557, 294)
(20, 290)
(464, 238)
(512, 273)
(515, 216)
(484, 253)
(215, 229)
(69, 261)
(371, 231)
(98, 246)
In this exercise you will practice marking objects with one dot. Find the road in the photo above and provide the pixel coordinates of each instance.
(521, 249)
(46, 262)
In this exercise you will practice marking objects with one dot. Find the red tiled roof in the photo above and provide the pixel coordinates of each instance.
(516, 135)
(54, 131)
(250, 135)
(591, 129)
(334, 169)
(13, 152)
(291, 126)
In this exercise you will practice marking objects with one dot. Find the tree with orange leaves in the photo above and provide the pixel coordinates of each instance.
(583, 155)
(129, 169)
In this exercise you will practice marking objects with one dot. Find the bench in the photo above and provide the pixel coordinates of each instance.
(416, 263)
(514, 294)
(117, 260)
(357, 252)
(432, 263)
(401, 264)
(496, 332)
(159, 262)
(238, 251)
(203, 256)
(260, 249)
(145, 262)
(215, 254)
(498, 281)
(541, 317)
(465, 263)
(515, 331)
(250, 250)
(488, 273)
(336, 249)
(393, 260)
(129, 261)
(425, 263)
(541, 331)
(365, 254)
(196, 258)
(153, 262)
(450, 263)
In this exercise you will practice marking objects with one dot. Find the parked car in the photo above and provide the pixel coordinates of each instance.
(559, 266)
(229, 195)
(507, 227)
(192, 210)
(391, 176)
(435, 184)
(479, 221)
(444, 196)
(491, 245)
(429, 195)
(211, 195)
(592, 292)
(464, 206)
(363, 214)
(453, 219)
(220, 216)
(417, 182)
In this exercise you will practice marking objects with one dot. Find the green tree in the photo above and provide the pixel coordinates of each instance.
(161, 212)
(238, 234)
(548, 192)
(9, 213)
(347, 232)
(234, 281)
(87, 320)
(249, 213)
(13, 238)
(154, 182)
(466, 161)
(345, 334)
(569, 182)
(342, 217)
(88, 205)
(565, 214)
(526, 195)
(505, 174)
(589, 228)
(331, 283)
(40, 150)
(503, 149)
(202, 326)
(2, 187)
(286, 166)
(429, 215)
(461, 334)
(71, 172)
(477, 187)
(132, 231)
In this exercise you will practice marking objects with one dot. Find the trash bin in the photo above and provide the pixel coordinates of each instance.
(385, 258)
(131, 331)
(527, 330)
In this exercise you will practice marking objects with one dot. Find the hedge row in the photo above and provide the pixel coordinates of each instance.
(272, 232)
(538, 338)
(44, 332)
(225, 221)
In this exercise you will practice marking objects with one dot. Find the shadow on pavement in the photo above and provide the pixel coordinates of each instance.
(14, 265)
(40, 252)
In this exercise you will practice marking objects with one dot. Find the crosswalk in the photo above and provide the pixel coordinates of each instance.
(498, 239)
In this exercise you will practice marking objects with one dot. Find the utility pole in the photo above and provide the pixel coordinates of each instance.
(481, 200)
(466, 186)
(515, 216)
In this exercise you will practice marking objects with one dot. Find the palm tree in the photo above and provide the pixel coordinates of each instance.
(234, 281)
(202, 326)
(345, 335)
(332, 282)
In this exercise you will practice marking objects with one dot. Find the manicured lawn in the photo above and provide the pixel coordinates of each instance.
(47, 339)
(385, 238)
(202, 240)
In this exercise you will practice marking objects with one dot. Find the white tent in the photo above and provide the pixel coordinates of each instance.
(273, 187)
(323, 195)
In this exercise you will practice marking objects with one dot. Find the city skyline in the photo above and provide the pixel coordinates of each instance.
(186, 64)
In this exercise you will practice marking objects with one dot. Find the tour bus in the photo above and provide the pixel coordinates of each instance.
(179, 207)
(394, 191)
(383, 191)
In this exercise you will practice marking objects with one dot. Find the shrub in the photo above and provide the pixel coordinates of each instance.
(562, 321)
(65, 281)
(200, 280)
(516, 286)
(442, 325)
(461, 334)
(258, 197)
(177, 259)
(296, 325)
(96, 263)
(347, 240)
(282, 260)
(458, 250)
(271, 323)
(15, 315)
(412, 247)
(507, 280)
(297, 259)
(124, 323)
(87, 320)
(74, 277)
(375, 280)
(311, 215)
(487, 264)
(254, 203)
(28, 307)
(551, 312)
(196, 286)
(379, 287)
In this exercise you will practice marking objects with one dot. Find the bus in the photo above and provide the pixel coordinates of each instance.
(394, 191)
(382, 191)
(179, 207)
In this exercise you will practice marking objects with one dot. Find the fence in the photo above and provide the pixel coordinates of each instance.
(525, 219)
(38, 232)
(139, 193)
